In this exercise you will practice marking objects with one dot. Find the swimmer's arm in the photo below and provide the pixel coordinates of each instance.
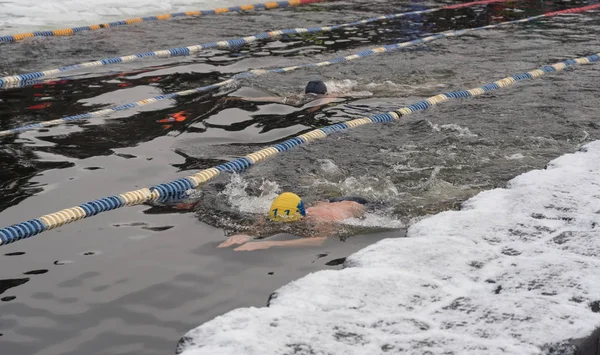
(250, 243)
(266, 244)
(255, 239)
(323, 102)
(259, 99)
(235, 240)
(260, 229)
(328, 99)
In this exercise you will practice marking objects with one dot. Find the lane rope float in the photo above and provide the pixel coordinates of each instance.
(199, 13)
(259, 72)
(167, 191)
(22, 79)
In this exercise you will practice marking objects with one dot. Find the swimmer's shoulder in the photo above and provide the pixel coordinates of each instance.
(357, 199)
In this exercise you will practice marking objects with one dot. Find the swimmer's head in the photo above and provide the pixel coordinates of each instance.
(316, 87)
(287, 207)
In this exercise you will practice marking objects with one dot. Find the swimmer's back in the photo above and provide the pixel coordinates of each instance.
(357, 199)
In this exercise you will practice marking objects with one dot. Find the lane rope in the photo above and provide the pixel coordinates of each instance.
(199, 13)
(173, 189)
(260, 72)
(22, 79)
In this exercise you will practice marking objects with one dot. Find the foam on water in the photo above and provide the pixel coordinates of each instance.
(516, 156)
(372, 188)
(452, 127)
(375, 220)
(510, 273)
(388, 87)
(27, 15)
(354, 88)
(346, 87)
(328, 167)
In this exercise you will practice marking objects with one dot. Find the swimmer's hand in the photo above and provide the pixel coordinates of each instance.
(235, 240)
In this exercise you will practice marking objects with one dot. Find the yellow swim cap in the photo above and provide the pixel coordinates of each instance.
(287, 207)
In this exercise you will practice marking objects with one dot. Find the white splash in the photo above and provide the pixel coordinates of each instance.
(346, 87)
(328, 168)
(349, 87)
(371, 188)
(516, 156)
(375, 220)
(238, 197)
(452, 127)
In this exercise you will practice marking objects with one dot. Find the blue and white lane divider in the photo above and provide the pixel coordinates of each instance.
(259, 72)
(74, 30)
(168, 191)
(25, 79)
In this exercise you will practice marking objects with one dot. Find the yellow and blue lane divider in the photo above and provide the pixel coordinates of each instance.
(222, 10)
(176, 188)
(259, 72)
(27, 78)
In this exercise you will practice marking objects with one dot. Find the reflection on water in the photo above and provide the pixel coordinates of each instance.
(133, 281)
(5, 285)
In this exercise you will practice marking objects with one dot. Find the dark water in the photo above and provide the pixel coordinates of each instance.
(133, 281)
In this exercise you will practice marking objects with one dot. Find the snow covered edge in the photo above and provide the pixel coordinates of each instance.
(32, 15)
(513, 272)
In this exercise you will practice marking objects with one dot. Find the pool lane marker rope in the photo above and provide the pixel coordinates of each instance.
(22, 79)
(259, 72)
(199, 13)
(174, 189)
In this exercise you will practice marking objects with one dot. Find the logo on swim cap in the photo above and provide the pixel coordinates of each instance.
(287, 207)
(316, 87)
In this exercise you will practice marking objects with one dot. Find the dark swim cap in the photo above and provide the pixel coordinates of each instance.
(316, 87)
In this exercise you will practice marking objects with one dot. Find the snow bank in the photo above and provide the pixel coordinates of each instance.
(515, 271)
(26, 15)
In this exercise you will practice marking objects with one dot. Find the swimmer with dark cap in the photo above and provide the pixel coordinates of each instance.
(314, 90)
(314, 223)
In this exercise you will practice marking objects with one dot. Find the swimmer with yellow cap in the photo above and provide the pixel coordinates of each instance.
(287, 207)
(315, 223)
